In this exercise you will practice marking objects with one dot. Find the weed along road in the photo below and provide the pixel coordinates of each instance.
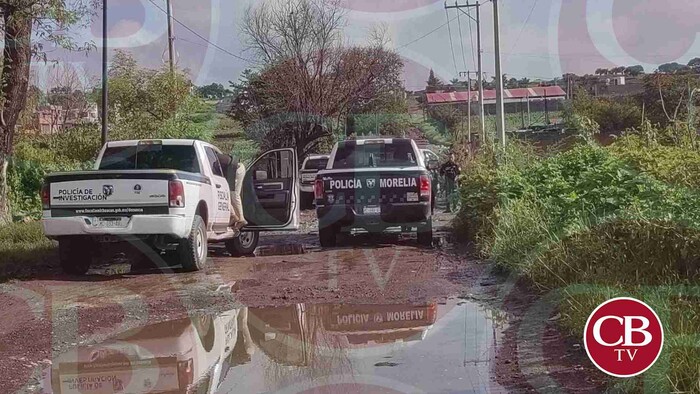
(377, 314)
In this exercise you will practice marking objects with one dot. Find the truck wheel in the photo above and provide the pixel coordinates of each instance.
(425, 234)
(193, 249)
(244, 244)
(327, 236)
(75, 256)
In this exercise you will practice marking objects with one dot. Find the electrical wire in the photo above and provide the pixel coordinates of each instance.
(449, 31)
(471, 35)
(201, 36)
(522, 28)
(461, 41)
(426, 34)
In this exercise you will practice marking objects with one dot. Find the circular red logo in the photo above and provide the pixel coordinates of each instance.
(623, 337)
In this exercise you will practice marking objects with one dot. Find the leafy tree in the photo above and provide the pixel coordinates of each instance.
(214, 91)
(147, 103)
(617, 70)
(695, 64)
(665, 97)
(602, 71)
(634, 70)
(434, 82)
(28, 26)
(670, 68)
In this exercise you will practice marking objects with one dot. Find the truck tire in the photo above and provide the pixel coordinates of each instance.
(193, 249)
(327, 236)
(75, 256)
(425, 233)
(244, 244)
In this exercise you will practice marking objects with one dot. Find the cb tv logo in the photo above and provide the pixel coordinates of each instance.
(623, 337)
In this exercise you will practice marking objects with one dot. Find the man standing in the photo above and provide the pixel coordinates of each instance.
(450, 170)
(237, 220)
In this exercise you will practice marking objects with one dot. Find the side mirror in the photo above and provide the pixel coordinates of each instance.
(433, 165)
(260, 175)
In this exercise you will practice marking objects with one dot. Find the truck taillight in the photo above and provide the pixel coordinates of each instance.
(425, 187)
(185, 373)
(318, 189)
(176, 194)
(46, 196)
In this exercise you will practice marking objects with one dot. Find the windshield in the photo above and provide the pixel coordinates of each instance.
(369, 155)
(151, 157)
(316, 164)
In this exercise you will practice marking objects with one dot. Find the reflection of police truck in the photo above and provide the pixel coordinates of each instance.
(374, 184)
(170, 196)
(186, 355)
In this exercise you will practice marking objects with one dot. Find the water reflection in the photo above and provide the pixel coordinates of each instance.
(292, 348)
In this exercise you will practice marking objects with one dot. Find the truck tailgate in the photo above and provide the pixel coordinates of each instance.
(107, 195)
(377, 187)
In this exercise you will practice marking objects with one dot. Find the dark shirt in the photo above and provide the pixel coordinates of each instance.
(450, 170)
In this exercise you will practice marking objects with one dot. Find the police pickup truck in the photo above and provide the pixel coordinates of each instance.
(374, 185)
(170, 196)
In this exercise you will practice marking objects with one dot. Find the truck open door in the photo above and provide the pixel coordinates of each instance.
(270, 192)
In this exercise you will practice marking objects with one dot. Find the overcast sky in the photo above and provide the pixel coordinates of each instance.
(540, 38)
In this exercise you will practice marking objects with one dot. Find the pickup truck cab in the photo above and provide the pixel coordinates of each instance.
(172, 196)
(312, 164)
(374, 185)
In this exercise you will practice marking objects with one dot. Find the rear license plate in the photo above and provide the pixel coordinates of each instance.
(308, 177)
(371, 210)
(110, 222)
(412, 197)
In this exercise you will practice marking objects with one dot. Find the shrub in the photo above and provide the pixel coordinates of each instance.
(672, 164)
(24, 249)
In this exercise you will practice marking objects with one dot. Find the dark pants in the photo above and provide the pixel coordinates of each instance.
(449, 192)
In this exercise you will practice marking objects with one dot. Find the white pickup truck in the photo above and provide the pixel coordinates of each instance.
(171, 196)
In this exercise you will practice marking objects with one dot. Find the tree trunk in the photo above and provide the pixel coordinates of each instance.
(5, 216)
(16, 62)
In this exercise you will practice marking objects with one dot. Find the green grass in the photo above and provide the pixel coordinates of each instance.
(595, 223)
(25, 251)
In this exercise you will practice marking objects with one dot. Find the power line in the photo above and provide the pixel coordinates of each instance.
(449, 31)
(201, 36)
(522, 28)
(425, 35)
(461, 41)
(471, 35)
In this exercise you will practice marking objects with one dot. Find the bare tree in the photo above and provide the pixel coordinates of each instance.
(67, 93)
(310, 76)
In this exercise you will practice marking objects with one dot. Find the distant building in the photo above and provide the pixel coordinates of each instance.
(610, 85)
(52, 119)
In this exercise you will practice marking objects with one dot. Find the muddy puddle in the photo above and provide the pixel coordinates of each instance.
(295, 348)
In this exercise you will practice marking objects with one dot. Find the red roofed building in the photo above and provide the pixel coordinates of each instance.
(510, 95)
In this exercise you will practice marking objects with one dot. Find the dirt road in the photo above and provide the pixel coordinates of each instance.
(383, 301)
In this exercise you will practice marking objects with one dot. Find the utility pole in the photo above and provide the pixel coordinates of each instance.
(500, 119)
(105, 94)
(171, 38)
(477, 19)
(469, 106)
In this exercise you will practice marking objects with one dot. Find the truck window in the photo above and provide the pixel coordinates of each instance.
(316, 164)
(275, 165)
(352, 155)
(214, 162)
(150, 157)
